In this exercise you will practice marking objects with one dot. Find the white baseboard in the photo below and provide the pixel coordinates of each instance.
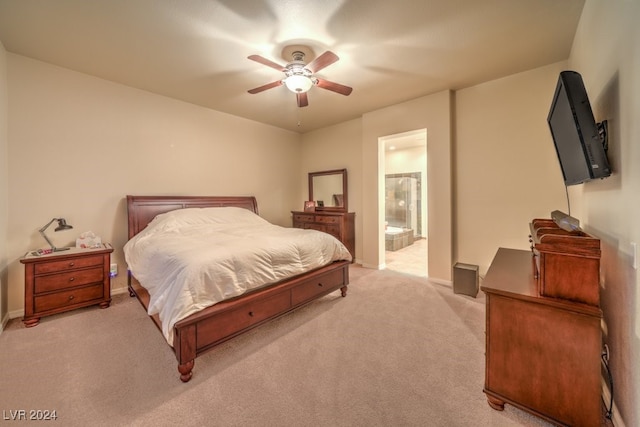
(431, 279)
(441, 281)
(3, 323)
(373, 266)
(119, 291)
(16, 313)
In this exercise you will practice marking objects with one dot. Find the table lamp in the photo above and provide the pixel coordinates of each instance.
(62, 225)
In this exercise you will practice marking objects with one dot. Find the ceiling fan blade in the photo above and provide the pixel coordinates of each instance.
(322, 61)
(264, 61)
(265, 87)
(302, 98)
(334, 87)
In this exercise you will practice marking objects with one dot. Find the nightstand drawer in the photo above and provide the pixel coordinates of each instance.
(67, 280)
(58, 266)
(67, 298)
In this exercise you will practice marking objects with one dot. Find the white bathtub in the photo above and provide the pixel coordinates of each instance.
(394, 230)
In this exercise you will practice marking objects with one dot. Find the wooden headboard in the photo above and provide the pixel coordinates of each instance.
(142, 209)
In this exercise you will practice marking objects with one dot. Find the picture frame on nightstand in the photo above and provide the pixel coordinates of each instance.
(309, 206)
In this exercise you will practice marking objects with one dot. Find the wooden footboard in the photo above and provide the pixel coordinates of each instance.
(204, 330)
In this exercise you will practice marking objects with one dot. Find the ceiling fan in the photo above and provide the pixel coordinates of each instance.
(299, 76)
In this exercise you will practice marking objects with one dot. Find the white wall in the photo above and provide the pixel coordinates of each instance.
(336, 147)
(407, 160)
(433, 113)
(505, 166)
(4, 187)
(78, 145)
(606, 52)
(355, 145)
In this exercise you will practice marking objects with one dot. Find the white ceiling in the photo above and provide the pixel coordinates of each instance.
(196, 50)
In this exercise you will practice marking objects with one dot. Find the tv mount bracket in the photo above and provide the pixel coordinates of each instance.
(602, 134)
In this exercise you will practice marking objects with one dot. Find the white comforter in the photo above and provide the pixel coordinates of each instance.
(189, 259)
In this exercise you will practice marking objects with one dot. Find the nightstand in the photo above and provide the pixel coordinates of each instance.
(66, 280)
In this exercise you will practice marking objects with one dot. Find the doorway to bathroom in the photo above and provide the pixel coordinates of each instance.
(405, 202)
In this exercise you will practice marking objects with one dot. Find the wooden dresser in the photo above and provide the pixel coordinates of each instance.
(542, 352)
(341, 225)
(63, 281)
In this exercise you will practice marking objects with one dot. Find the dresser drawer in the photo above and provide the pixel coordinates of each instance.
(334, 230)
(226, 324)
(70, 279)
(68, 264)
(340, 225)
(303, 218)
(327, 219)
(320, 285)
(68, 298)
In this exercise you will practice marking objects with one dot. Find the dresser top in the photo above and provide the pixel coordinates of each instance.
(511, 275)
(511, 271)
(323, 212)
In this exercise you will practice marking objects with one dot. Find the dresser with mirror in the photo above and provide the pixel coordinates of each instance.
(329, 210)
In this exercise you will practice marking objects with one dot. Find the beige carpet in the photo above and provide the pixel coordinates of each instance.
(396, 351)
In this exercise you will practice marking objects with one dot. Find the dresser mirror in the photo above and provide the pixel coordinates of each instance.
(328, 189)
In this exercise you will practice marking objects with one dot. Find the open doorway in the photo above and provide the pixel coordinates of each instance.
(405, 202)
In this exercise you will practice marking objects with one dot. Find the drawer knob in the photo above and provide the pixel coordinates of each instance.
(71, 297)
(71, 264)
(251, 313)
(71, 279)
(320, 284)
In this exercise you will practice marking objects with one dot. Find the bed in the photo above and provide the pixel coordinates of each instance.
(205, 328)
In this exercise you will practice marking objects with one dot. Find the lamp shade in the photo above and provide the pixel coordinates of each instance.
(62, 225)
(298, 84)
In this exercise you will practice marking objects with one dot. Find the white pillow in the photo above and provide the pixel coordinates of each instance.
(204, 216)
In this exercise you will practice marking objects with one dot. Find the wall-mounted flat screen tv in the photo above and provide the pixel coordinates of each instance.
(579, 140)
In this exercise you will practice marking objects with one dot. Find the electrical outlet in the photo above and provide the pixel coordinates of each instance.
(113, 272)
(634, 254)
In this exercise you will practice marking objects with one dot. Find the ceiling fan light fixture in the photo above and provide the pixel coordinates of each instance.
(298, 83)
(299, 76)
